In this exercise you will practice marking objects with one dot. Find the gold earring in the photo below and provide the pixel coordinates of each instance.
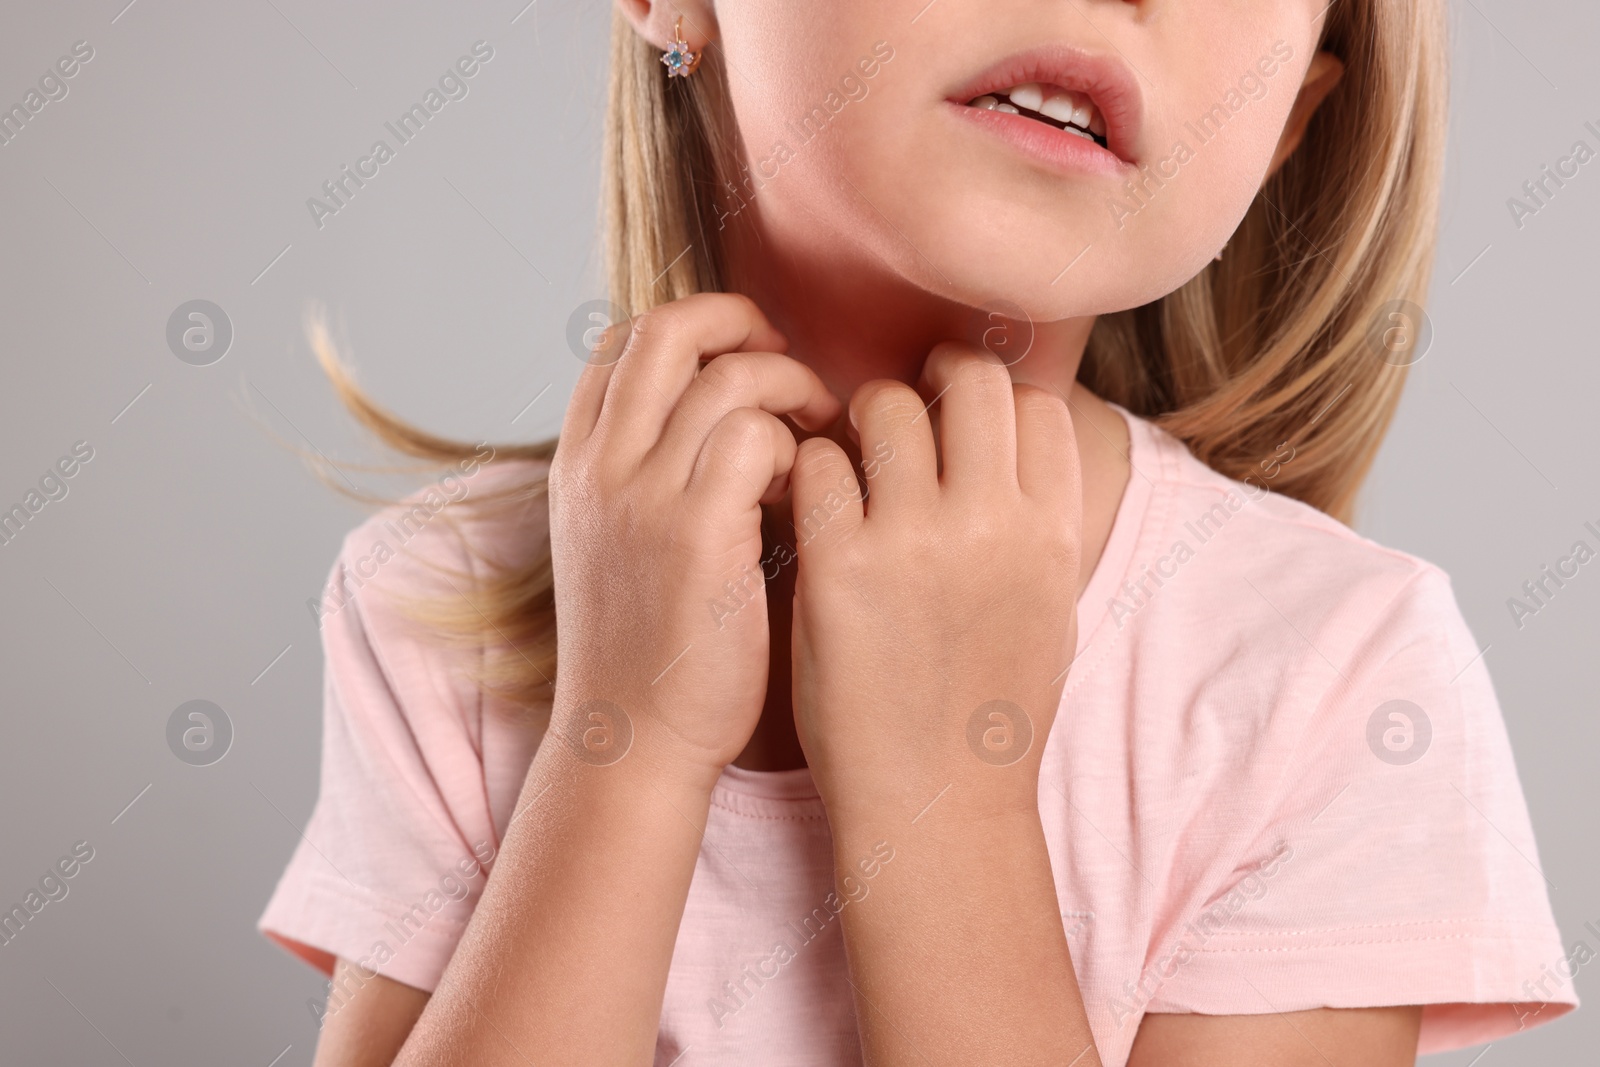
(679, 60)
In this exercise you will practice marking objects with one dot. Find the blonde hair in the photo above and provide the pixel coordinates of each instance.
(1270, 345)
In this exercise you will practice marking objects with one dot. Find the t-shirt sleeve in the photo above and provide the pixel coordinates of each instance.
(1398, 865)
(399, 844)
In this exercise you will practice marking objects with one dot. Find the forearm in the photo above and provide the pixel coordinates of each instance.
(566, 957)
(667, 451)
(957, 954)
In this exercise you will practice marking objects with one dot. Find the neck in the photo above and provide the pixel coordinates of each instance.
(851, 320)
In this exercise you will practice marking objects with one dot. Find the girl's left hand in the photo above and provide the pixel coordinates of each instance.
(934, 620)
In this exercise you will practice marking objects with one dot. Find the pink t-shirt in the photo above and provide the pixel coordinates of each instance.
(1279, 780)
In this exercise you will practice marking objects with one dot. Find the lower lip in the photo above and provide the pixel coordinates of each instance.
(1057, 149)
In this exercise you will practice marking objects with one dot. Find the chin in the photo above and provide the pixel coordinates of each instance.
(975, 233)
(1047, 268)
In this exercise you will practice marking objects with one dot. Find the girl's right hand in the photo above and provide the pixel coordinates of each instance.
(655, 495)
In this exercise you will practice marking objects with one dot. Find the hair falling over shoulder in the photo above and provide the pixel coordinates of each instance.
(1267, 346)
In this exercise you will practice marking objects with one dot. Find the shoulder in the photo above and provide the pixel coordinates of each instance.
(1276, 541)
(408, 612)
(405, 619)
(1276, 579)
(1310, 709)
(417, 777)
(480, 515)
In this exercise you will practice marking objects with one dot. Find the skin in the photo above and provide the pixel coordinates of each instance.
(682, 462)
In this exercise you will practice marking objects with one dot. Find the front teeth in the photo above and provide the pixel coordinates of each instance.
(1062, 108)
(1030, 96)
(1053, 102)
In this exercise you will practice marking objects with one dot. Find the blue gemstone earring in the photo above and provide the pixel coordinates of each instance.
(679, 60)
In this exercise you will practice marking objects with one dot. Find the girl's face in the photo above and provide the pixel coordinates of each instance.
(862, 138)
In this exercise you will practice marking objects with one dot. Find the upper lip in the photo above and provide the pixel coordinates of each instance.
(1103, 78)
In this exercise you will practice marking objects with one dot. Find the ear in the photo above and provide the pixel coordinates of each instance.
(1324, 73)
(654, 21)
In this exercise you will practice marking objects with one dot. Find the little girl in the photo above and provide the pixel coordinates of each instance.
(934, 638)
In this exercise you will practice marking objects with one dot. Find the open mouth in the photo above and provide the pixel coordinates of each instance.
(1063, 109)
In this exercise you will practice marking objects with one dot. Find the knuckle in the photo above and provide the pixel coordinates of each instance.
(745, 421)
(887, 397)
(741, 429)
(959, 355)
(815, 460)
(1029, 393)
(586, 472)
(564, 465)
(982, 526)
(1038, 401)
(657, 324)
(730, 375)
(719, 304)
(741, 303)
(984, 372)
(567, 486)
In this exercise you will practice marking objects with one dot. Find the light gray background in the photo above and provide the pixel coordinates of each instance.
(179, 564)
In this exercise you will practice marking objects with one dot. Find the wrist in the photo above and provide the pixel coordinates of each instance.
(597, 735)
(951, 811)
(898, 757)
(947, 845)
(640, 801)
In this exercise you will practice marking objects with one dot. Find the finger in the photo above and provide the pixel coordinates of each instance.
(583, 408)
(1047, 451)
(663, 354)
(764, 380)
(977, 415)
(744, 461)
(887, 412)
(826, 497)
